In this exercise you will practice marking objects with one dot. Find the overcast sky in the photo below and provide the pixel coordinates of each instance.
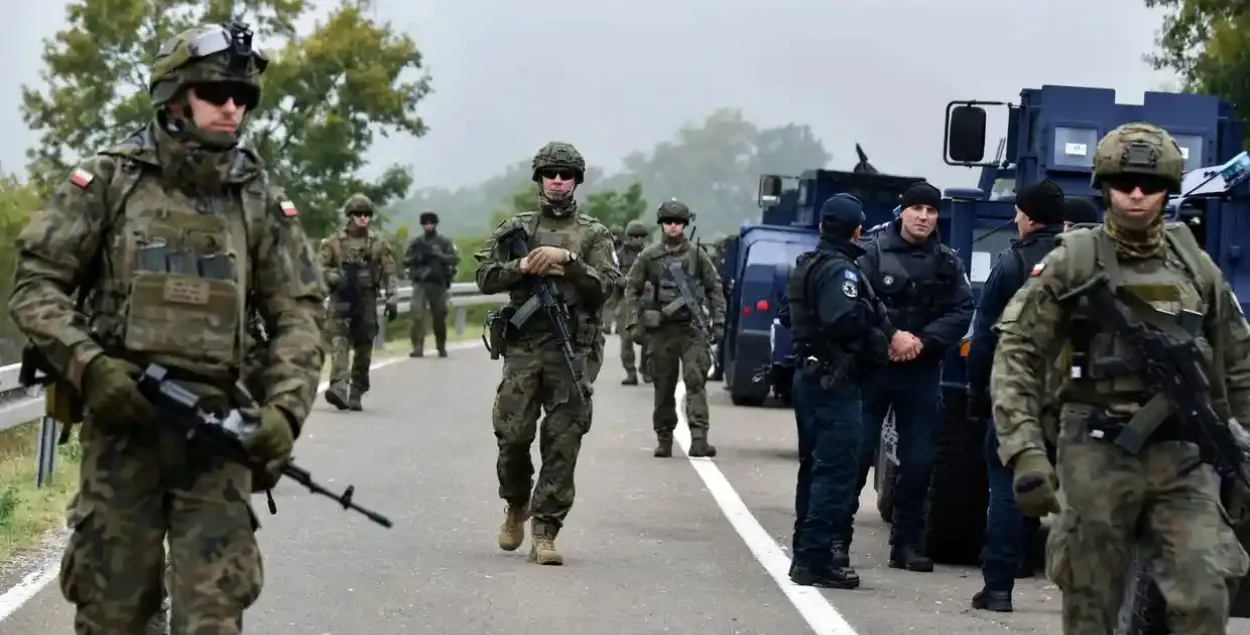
(614, 76)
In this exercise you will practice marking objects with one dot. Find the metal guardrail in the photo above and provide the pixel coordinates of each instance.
(20, 405)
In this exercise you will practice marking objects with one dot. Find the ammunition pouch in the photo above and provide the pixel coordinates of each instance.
(497, 329)
(650, 318)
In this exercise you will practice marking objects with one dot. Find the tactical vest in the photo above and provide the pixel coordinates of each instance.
(176, 270)
(665, 291)
(806, 329)
(1102, 372)
(361, 253)
(911, 304)
(572, 235)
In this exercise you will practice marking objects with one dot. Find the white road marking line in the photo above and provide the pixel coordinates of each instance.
(816, 610)
(32, 583)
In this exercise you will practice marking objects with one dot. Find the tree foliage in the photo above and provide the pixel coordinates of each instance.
(17, 201)
(328, 94)
(617, 207)
(1207, 43)
(713, 166)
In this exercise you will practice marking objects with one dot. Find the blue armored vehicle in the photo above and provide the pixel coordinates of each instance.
(756, 353)
(1051, 134)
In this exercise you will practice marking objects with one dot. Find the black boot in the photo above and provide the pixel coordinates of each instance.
(336, 396)
(841, 555)
(835, 578)
(700, 447)
(997, 601)
(909, 557)
(663, 447)
(440, 336)
(631, 378)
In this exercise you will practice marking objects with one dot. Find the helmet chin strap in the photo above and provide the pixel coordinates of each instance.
(184, 129)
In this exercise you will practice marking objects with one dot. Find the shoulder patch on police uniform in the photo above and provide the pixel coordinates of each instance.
(288, 209)
(1038, 268)
(850, 289)
(81, 178)
(851, 275)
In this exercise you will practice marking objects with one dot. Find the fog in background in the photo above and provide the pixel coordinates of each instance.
(613, 77)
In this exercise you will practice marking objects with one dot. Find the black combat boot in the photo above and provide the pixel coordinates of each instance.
(841, 555)
(663, 447)
(997, 601)
(835, 578)
(337, 396)
(631, 378)
(417, 353)
(909, 557)
(353, 402)
(700, 447)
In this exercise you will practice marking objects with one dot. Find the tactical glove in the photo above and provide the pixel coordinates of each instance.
(111, 391)
(1034, 483)
(541, 258)
(636, 335)
(392, 311)
(273, 441)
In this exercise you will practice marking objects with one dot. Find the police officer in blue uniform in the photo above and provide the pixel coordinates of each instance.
(929, 301)
(1040, 215)
(838, 333)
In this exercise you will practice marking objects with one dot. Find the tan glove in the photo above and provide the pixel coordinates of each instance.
(110, 390)
(1034, 483)
(542, 258)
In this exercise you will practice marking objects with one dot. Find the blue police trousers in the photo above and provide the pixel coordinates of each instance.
(1004, 527)
(829, 423)
(914, 390)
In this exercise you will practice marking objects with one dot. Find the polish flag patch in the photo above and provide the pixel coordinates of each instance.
(1038, 269)
(81, 178)
(288, 209)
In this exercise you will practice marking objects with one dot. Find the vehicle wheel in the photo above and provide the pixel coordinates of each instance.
(746, 400)
(958, 490)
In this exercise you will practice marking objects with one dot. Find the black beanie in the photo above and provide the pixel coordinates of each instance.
(1080, 210)
(1041, 201)
(921, 194)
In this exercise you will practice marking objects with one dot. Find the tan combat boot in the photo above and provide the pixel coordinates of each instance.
(512, 531)
(543, 551)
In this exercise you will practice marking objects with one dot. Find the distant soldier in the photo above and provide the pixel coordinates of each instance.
(610, 309)
(432, 261)
(626, 254)
(360, 271)
(679, 328)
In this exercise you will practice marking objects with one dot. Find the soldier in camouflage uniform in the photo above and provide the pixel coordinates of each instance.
(1163, 497)
(432, 260)
(576, 250)
(666, 319)
(154, 251)
(611, 308)
(359, 270)
(626, 254)
(718, 257)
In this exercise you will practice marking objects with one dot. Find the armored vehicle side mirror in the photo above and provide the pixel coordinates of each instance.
(965, 134)
(769, 191)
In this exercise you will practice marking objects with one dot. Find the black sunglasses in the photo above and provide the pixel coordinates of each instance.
(218, 93)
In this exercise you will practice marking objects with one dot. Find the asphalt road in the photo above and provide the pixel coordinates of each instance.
(652, 546)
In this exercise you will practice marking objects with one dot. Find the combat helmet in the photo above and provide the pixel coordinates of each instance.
(1139, 148)
(673, 209)
(635, 229)
(557, 155)
(618, 232)
(203, 55)
(358, 203)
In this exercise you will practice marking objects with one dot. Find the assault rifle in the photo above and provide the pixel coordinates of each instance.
(689, 298)
(225, 433)
(1174, 369)
(545, 295)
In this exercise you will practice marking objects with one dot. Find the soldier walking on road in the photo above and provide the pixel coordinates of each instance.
(1132, 470)
(153, 251)
(626, 254)
(610, 309)
(360, 271)
(572, 252)
(432, 260)
(673, 319)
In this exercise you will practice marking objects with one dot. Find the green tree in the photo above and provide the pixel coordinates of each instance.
(614, 207)
(1207, 43)
(17, 201)
(327, 94)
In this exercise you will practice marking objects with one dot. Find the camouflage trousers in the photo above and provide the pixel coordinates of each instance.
(351, 350)
(629, 361)
(536, 381)
(137, 494)
(1162, 499)
(428, 310)
(679, 352)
